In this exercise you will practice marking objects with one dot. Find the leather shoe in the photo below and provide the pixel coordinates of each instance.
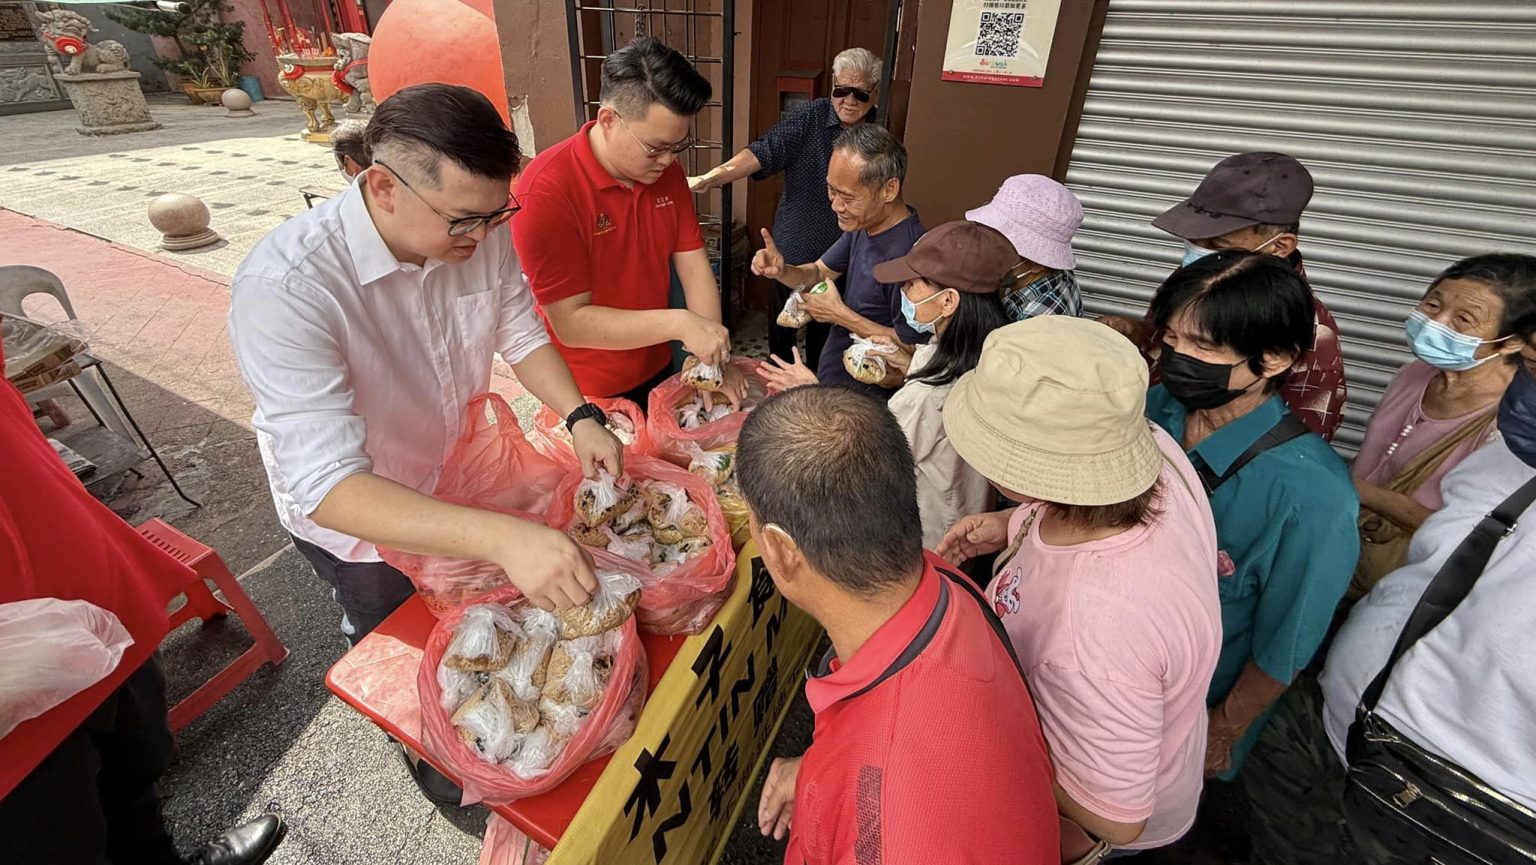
(249, 844)
(433, 784)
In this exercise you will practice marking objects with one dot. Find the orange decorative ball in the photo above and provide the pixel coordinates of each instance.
(437, 41)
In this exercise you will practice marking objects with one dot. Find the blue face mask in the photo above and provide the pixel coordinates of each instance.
(1517, 416)
(1193, 253)
(909, 312)
(1443, 348)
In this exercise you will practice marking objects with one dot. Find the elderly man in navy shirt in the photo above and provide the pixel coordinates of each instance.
(864, 183)
(800, 146)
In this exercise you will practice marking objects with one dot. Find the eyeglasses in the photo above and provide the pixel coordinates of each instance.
(656, 152)
(845, 91)
(458, 226)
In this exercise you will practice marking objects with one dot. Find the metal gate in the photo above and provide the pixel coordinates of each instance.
(1417, 119)
(704, 31)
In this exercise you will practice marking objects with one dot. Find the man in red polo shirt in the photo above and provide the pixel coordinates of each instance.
(927, 748)
(77, 783)
(607, 216)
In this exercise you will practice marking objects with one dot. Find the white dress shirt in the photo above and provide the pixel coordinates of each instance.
(359, 363)
(1467, 689)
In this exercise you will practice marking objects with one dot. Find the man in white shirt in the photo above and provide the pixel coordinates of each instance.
(363, 327)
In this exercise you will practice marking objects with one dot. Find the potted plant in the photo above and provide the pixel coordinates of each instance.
(211, 52)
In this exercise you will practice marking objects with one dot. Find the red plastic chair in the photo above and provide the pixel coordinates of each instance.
(202, 604)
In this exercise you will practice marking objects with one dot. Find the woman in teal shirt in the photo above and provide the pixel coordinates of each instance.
(1285, 506)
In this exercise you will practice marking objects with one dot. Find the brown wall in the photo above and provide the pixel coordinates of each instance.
(964, 139)
(536, 64)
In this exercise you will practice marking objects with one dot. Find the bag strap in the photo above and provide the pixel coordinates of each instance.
(1288, 427)
(1453, 582)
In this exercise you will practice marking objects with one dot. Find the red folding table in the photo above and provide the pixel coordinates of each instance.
(378, 678)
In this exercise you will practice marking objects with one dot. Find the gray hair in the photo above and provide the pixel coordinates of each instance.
(347, 140)
(859, 61)
(885, 158)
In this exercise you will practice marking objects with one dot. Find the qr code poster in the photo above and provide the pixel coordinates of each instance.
(1000, 41)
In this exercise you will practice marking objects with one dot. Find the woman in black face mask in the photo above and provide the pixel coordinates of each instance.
(1283, 502)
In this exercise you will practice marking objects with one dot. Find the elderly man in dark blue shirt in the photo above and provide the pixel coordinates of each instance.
(800, 145)
(864, 183)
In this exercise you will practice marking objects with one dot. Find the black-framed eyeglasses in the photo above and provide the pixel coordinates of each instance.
(656, 152)
(458, 226)
(844, 91)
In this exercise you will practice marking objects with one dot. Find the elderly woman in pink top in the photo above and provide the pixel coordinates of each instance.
(1107, 587)
(1466, 333)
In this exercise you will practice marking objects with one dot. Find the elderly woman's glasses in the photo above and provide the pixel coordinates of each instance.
(458, 226)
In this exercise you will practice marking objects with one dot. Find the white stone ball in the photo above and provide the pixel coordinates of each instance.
(175, 214)
(236, 99)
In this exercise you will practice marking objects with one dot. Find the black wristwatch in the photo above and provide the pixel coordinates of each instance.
(584, 411)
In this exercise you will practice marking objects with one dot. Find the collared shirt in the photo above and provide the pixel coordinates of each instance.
(947, 487)
(1465, 690)
(583, 231)
(1055, 293)
(855, 255)
(359, 363)
(58, 541)
(926, 747)
(800, 145)
(1315, 388)
(1286, 527)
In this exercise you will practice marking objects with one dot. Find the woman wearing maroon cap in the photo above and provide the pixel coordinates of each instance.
(950, 288)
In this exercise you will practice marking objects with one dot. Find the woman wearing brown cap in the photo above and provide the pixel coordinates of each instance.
(950, 288)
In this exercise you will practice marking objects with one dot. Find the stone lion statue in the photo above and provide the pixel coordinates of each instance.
(351, 74)
(64, 39)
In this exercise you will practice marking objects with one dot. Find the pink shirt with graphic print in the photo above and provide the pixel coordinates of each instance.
(1119, 639)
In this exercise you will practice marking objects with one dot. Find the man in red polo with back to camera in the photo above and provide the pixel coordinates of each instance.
(77, 783)
(607, 216)
(927, 749)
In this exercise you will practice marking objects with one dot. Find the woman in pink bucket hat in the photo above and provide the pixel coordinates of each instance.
(1039, 216)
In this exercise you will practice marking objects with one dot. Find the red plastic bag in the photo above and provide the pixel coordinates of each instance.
(685, 600)
(668, 437)
(608, 726)
(493, 467)
(552, 439)
(504, 845)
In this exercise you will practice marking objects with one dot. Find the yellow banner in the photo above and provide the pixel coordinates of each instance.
(672, 793)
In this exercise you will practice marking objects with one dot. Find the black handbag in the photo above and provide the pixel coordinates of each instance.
(1403, 802)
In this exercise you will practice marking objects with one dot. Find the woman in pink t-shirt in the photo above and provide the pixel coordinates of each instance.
(1108, 583)
(1466, 333)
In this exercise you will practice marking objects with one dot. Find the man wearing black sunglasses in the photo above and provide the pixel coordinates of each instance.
(363, 327)
(800, 146)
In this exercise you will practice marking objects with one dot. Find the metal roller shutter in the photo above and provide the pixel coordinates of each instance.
(1417, 119)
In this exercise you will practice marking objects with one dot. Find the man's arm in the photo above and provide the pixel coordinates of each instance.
(1254, 691)
(743, 164)
(580, 323)
(828, 307)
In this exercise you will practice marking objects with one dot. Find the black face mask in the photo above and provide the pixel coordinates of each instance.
(1517, 416)
(1197, 384)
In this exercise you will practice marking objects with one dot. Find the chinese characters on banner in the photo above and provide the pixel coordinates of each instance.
(1000, 41)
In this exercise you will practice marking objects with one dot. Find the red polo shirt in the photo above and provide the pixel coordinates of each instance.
(581, 230)
(927, 748)
(56, 541)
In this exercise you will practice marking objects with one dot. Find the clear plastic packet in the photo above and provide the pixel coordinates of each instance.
(690, 415)
(485, 722)
(671, 514)
(578, 670)
(613, 602)
(484, 639)
(635, 546)
(715, 466)
(703, 376)
(865, 360)
(792, 315)
(524, 673)
(535, 753)
(458, 686)
(599, 501)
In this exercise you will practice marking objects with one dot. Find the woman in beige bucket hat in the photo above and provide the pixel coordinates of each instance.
(1107, 588)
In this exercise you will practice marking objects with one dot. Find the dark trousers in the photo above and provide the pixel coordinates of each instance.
(782, 339)
(92, 801)
(367, 591)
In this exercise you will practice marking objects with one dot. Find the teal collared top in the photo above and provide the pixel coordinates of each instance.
(1286, 526)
